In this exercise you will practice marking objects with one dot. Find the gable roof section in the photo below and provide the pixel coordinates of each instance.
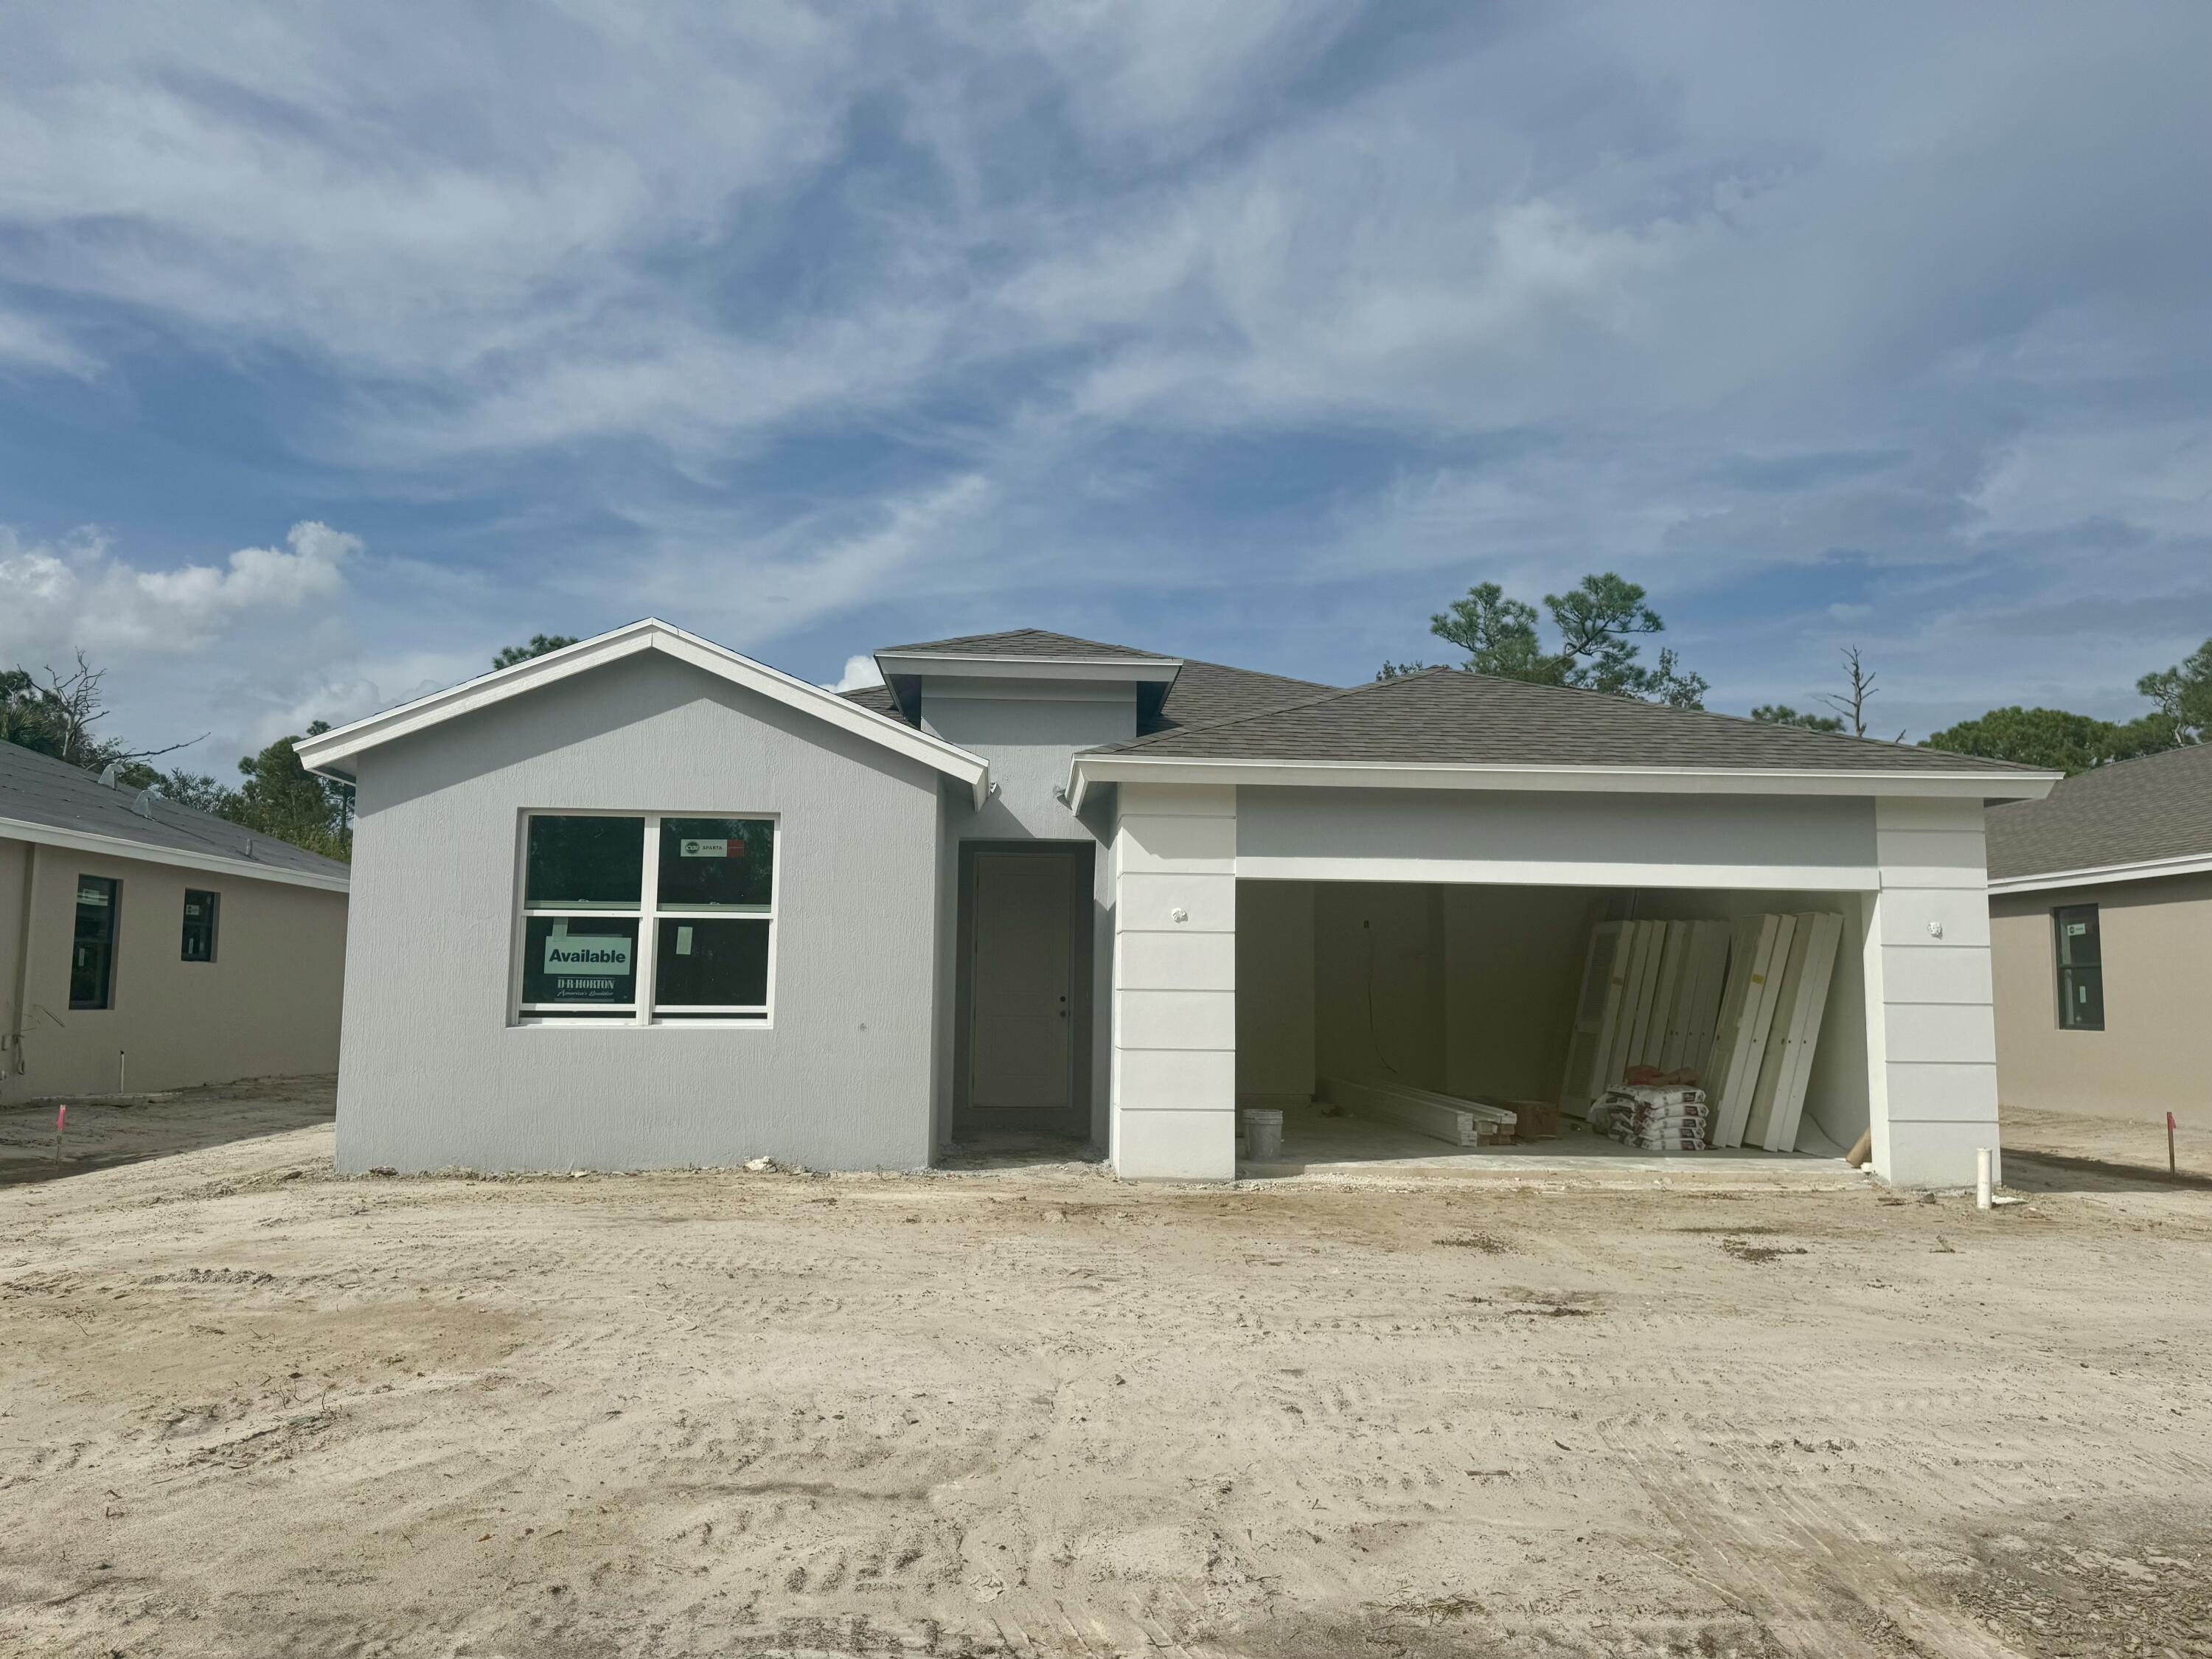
(1445, 728)
(332, 752)
(57, 805)
(2126, 821)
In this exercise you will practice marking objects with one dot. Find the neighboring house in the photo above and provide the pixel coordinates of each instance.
(144, 945)
(2100, 908)
(645, 901)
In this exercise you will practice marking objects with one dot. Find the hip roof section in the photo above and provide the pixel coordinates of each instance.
(2152, 810)
(1444, 718)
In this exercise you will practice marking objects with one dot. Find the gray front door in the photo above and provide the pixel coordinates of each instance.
(1021, 1024)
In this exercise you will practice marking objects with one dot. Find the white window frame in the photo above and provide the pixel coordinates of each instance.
(626, 1016)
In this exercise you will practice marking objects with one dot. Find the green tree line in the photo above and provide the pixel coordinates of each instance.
(1598, 626)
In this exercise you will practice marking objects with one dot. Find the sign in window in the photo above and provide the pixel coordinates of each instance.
(644, 919)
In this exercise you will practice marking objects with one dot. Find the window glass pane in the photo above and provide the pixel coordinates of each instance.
(2078, 943)
(92, 956)
(199, 925)
(711, 964)
(585, 863)
(2081, 999)
(716, 863)
(579, 960)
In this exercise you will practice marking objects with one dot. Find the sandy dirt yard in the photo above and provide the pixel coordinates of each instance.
(248, 1407)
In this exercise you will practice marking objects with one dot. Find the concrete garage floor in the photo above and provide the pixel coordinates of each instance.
(248, 1407)
(1319, 1142)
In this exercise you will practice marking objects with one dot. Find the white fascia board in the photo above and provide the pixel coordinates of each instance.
(329, 752)
(1521, 872)
(1086, 769)
(2098, 875)
(121, 847)
(1147, 670)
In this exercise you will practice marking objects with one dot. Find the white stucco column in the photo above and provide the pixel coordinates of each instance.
(1175, 983)
(1931, 1028)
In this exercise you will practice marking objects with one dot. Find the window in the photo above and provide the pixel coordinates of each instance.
(2080, 969)
(92, 959)
(613, 901)
(199, 925)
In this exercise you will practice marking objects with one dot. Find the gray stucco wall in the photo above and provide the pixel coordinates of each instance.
(436, 1073)
(1029, 736)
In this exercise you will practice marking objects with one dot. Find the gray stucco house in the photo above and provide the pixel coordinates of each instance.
(646, 902)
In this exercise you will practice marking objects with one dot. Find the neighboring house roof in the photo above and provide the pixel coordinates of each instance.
(2121, 822)
(57, 805)
(332, 752)
(1443, 727)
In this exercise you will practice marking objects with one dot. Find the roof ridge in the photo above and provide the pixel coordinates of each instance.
(1034, 633)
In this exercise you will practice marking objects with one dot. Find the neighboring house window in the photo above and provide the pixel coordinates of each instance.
(92, 960)
(2080, 969)
(199, 925)
(614, 903)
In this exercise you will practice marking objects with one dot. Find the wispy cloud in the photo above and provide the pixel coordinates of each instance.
(1255, 330)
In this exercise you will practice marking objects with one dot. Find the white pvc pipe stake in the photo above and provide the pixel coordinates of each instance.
(1982, 1159)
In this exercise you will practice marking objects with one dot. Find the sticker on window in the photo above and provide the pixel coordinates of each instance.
(2076, 929)
(683, 941)
(593, 954)
(712, 849)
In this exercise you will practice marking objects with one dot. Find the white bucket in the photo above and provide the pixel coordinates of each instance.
(1263, 1132)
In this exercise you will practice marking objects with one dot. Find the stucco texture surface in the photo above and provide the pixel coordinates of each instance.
(435, 1071)
(2155, 1055)
(266, 1007)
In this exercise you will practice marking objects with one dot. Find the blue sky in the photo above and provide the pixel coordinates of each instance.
(337, 350)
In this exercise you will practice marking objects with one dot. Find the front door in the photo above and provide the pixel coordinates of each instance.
(1021, 985)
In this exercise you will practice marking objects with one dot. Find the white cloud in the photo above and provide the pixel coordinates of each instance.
(860, 671)
(54, 598)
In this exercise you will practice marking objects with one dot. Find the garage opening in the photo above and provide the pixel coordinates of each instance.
(1354, 999)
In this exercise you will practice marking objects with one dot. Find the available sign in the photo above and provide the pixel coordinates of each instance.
(588, 953)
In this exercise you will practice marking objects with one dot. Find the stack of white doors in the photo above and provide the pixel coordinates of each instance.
(1738, 1006)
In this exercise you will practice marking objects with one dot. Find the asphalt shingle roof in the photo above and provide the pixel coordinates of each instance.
(1023, 642)
(1203, 692)
(1443, 716)
(2128, 813)
(38, 789)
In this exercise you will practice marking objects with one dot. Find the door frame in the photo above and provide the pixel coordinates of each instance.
(1081, 859)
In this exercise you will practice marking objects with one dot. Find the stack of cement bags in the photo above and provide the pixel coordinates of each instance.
(1658, 1118)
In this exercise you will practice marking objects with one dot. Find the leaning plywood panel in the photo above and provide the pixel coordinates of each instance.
(1637, 958)
(1804, 1040)
(1646, 983)
(1673, 1042)
(1783, 1023)
(1743, 941)
(1765, 940)
(1703, 1004)
(1666, 988)
(1597, 1014)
